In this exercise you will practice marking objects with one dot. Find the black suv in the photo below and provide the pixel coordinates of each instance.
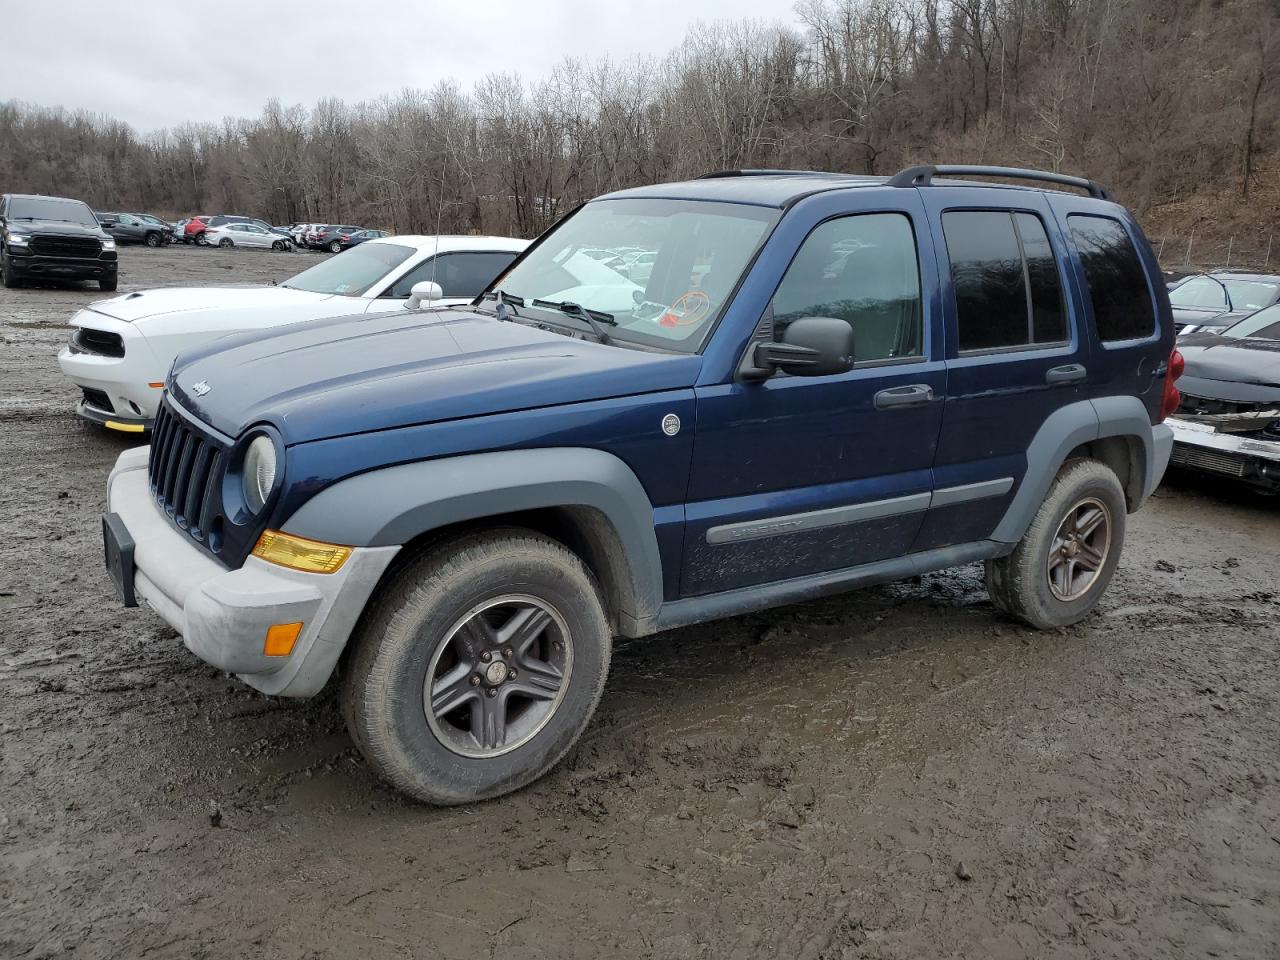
(53, 238)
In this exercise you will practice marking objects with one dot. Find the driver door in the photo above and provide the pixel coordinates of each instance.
(793, 476)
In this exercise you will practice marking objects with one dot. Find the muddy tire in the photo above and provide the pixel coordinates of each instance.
(477, 668)
(1061, 567)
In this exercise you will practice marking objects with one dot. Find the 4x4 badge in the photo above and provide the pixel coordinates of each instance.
(670, 424)
(201, 388)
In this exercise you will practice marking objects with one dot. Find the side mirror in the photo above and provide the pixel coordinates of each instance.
(108, 224)
(422, 292)
(810, 347)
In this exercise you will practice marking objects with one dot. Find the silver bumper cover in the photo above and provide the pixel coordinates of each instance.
(222, 614)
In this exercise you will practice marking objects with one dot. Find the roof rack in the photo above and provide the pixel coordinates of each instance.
(722, 174)
(923, 176)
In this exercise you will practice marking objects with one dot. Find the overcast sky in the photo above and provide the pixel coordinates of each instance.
(159, 64)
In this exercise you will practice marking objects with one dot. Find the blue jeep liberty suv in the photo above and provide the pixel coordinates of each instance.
(824, 381)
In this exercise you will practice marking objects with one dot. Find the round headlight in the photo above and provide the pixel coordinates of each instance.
(259, 472)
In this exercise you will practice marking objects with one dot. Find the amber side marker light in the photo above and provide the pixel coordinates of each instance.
(299, 553)
(156, 386)
(280, 639)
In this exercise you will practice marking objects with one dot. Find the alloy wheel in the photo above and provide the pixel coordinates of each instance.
(498, 676)
(1079, 549)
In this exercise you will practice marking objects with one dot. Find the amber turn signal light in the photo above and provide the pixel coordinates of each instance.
(280, 639)
(299, 553)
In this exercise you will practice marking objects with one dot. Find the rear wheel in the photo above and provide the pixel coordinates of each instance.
(335, 247)
(478, 667)
(1063, 564)
(154, 240)
(201, 240)
(278, 245)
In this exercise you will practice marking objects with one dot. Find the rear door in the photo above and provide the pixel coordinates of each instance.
(801, 475)
(1014, 351)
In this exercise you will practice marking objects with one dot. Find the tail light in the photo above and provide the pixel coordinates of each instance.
(1171, 397)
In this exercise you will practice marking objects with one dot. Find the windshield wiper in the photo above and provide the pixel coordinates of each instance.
(503, 299)
(593, 317)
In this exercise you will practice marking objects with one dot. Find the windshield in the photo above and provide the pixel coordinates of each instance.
(50, 208)
(1263, 325)
(669, 299)
(352, 273)
(1250, 294)
(1204, 293)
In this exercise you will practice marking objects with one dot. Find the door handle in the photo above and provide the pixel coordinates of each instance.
(910, 396)
(1070, 373)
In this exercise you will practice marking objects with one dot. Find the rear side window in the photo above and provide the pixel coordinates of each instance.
(1117, 283)
(1007, 286)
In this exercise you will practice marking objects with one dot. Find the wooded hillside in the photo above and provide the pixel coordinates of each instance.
(1166, 101)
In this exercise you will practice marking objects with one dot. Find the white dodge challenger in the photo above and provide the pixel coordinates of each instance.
(121, 349)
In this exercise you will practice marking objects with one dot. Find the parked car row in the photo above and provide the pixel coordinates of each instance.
(333, 237)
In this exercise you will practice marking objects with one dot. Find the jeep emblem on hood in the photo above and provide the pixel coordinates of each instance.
(200, 388)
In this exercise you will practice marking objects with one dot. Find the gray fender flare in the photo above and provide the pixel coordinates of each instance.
(391, 506)
(1063, 431)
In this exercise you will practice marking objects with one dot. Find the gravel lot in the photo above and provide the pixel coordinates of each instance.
(895, 773)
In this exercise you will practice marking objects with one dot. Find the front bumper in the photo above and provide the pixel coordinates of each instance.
(1200, 446)
(115, 388)
(223, 615)
(33, 266)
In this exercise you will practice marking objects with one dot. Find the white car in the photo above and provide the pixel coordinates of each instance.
(122, 348)
(245, 235)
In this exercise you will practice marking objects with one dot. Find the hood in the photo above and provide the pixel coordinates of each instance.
(1228, 368)
(58, 228)
(143, 304)
(1207, 318)
(381, 371)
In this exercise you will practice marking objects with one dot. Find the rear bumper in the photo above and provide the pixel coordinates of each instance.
(1199, 446)
(223, 615)
(34, 266)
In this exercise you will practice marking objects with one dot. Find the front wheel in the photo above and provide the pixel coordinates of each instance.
(7, 277)
(108, 286)
(1061, 567)
(278, 246)
(478, 667)
(154, 240)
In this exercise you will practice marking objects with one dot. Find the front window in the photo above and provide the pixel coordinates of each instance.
(353, 272)
(50, 208)
(700, 250)
(1263, 325)
(1251, 294)
(1199, 293)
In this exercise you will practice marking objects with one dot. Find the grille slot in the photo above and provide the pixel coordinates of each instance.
(1208, 460)
(184, 471)
(65, 246)
(98, 400)
(100, 342)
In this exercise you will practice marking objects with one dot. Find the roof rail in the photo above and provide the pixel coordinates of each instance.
(923, 176)
(722, 174)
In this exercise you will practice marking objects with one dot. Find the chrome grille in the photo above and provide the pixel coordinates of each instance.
(184, 471)
(1210, 461)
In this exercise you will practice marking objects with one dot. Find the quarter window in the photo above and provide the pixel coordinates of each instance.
(1117, 283)
(459, 274)
(862, 270)
(1007, 287)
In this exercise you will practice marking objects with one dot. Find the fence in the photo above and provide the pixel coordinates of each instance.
(1260, 252)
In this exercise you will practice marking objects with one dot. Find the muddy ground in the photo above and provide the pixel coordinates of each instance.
(805, 782)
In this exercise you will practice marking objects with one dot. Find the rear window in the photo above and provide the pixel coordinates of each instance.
(1008, 292)
(1122, 308)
